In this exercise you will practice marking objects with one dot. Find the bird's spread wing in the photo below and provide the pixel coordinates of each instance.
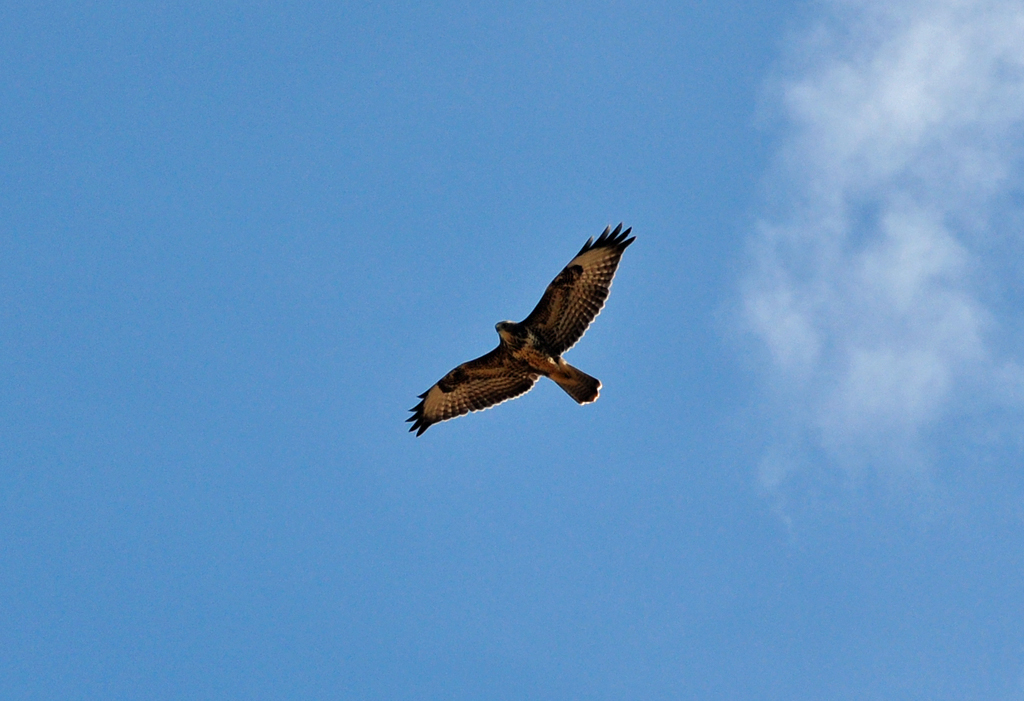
(576, 296)
(472, 386)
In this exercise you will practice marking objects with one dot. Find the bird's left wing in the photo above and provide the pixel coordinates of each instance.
(472, 386)
(577, 294)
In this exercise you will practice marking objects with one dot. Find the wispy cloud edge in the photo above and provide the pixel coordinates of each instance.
(905, 135)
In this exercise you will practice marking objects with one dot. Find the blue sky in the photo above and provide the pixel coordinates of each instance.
(238, 240)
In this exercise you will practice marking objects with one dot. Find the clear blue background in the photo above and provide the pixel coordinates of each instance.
(236, 241)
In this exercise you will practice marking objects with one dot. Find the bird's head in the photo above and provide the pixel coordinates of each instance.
(509, 331)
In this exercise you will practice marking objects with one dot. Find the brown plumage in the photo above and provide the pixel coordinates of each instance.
(534, 346)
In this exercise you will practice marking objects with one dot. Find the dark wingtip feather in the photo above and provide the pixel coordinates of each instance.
(588, 244)
(419, 422)
(609, 239)
(419, 427)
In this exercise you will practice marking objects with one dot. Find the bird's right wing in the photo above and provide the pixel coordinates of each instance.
(472, 386)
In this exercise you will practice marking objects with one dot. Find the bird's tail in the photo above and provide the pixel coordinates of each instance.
(576, 383)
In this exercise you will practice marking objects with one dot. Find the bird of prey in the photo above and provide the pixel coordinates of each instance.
(535, 345)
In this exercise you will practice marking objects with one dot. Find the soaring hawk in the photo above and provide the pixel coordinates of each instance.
(534, 346)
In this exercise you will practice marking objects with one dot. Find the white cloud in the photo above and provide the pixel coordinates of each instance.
(883, 275)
